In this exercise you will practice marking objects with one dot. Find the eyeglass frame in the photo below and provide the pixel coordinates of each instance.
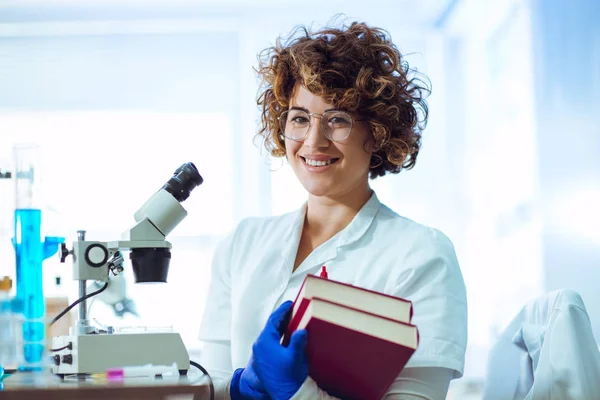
(320, 115)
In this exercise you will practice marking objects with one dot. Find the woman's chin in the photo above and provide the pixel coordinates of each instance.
(316, 189)
(319, 190)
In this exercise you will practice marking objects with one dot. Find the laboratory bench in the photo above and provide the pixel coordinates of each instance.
(28, 386)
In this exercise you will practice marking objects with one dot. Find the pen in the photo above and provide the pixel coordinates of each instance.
(323, 272)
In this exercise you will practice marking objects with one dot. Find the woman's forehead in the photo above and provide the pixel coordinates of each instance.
(303, 98)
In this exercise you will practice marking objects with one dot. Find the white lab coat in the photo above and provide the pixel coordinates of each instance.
(548, 351)
(379, 250)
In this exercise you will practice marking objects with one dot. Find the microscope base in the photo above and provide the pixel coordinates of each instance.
(95, 353)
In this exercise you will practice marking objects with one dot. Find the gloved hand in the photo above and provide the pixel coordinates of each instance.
(282, 370)
(245, 385)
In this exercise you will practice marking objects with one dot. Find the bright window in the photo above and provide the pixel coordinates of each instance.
(99, 167)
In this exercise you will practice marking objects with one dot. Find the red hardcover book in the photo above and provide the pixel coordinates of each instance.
(351, 296)
(354, 354)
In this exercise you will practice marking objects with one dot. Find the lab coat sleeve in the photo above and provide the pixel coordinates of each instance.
(216, 358)
(430, 277)
(411, 384)
(215, 328)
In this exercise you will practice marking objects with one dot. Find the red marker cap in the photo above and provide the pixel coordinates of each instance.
(323, 272)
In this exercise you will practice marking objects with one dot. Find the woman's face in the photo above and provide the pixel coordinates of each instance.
(347, 162)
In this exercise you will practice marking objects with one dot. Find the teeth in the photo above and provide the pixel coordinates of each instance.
(314, 163)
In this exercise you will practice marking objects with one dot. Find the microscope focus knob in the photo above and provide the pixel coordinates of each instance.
(63, 252)
(96, 255)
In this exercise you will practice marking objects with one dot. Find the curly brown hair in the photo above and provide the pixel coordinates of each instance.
(356, 68)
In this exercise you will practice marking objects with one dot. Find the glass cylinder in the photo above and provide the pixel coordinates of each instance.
(29, 249)
(27, 169)
(6, 215)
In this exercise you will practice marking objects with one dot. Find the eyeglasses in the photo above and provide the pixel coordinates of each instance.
(336, 125)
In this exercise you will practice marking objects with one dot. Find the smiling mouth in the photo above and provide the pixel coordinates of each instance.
(314, 163)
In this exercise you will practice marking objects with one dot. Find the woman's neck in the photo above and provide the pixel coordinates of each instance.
(326, 216)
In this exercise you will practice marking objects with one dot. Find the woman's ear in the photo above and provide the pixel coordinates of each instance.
(369, 145)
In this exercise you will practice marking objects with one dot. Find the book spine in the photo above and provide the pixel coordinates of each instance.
(295, 320)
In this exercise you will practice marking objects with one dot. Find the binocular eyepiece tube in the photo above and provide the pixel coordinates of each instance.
(152, 264)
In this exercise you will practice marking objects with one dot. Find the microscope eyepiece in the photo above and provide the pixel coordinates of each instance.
(184, 180)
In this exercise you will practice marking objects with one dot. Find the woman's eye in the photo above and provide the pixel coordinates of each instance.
(300, 120)
(339, 121)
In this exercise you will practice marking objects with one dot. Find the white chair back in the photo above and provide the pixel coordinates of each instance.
(547, 352)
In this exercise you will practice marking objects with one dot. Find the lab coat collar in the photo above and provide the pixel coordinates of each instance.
(291, 239)
(361, 222)
(350, 234)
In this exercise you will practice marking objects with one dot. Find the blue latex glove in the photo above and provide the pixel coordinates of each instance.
(245, 385)
(282, 370)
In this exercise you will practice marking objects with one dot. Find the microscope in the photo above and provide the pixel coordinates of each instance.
(89, 350)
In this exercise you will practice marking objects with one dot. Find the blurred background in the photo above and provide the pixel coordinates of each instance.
(118, 93)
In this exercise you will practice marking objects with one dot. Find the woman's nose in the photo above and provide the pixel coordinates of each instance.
(315, 138)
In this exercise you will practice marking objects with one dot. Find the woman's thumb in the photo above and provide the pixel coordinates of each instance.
(298, 341)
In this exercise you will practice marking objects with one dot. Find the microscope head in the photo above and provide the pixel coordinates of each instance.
(150, 253)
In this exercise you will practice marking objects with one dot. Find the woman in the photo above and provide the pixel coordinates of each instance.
(340, 106)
